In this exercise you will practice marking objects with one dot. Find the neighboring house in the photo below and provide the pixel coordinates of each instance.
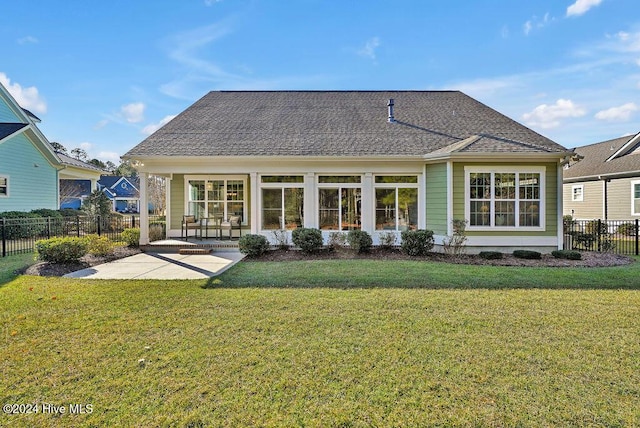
(77, 180)
(29, 168)
(380, 161)
(123, 192)
(605, 183)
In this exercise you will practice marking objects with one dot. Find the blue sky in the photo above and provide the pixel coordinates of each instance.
(103, 75)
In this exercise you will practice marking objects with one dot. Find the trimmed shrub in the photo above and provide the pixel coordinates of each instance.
(490, 255)
(253, 245)
(70, 212)
(595, 227)
(309, 240)
(417, 242)
(360, 241)
(131, 236)
(98, 245)
(527, 254)
(61, 250)
(387, 240)
(156, 231)
(566, 254)
(22, 224)
(56, 222)
(627, 229)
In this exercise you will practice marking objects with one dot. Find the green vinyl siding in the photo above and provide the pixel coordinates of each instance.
(33, 181)
(551, 195)
(436, 197)
(177, 200)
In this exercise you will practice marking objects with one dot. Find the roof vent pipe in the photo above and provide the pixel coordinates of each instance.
(390, 105)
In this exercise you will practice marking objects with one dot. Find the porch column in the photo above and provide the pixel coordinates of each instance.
(367, 203)
(253, 185)
(310, 200)
(144, 209)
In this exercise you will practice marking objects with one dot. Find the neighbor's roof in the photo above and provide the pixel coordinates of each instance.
(338, 123)
(77, 163)
(7, 129)
(620, 156)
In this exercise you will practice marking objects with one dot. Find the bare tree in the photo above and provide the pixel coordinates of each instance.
(156, 193)
(71, 190)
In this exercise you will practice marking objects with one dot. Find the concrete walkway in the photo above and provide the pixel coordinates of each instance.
(162, 266)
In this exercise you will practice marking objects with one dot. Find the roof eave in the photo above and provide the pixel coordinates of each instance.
(497, 156)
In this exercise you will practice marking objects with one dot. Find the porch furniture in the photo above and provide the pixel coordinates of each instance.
(189, 222)
(234, 222)
(211, 223)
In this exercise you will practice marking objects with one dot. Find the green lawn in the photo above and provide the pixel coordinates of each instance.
(297, 344)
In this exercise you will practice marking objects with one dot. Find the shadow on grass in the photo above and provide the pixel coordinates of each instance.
(407, 274)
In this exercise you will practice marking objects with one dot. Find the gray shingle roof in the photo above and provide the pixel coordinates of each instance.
(337, 123)
(595, 160)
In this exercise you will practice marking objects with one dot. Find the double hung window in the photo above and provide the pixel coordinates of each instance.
(505, 198)
(216, 197)
(4, 186)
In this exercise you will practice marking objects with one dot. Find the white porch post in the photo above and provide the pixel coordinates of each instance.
(144, 210)
(310, 200)
(253, 185)
(450, 198)
(559, 207)
(368, 204)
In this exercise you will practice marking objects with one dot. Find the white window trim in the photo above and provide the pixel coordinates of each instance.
(188, 178)
(275, 185)
(339, 187)
(6, 177)
(634, 183)
(573, 195)
(395, 186)
(468, 169)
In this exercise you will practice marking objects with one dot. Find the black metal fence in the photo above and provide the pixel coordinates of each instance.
(615, 236)
(19, 235)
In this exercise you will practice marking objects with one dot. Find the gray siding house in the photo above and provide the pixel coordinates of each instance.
(605, 183)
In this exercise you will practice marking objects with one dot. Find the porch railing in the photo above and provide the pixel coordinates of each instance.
(615, 236)
(19, 235)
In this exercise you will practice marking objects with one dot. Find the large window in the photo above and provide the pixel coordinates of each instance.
(282, 202)
(635, 197)
(4, 186)
(396, 202)
(505, 199)
(340, 202)
(215, 197)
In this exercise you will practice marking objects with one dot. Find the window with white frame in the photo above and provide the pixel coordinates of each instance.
(635, 197)
(396, 199)
(577, 193)
(4, 186)
(282, 201)
(216, 197)
(504, 198)
(340, 202)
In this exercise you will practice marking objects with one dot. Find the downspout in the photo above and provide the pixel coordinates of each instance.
(605, 193)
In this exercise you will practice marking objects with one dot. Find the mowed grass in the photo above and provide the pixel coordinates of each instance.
(317, 350)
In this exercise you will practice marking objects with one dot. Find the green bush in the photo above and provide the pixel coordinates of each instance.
(253, 245)
(360, 241)
(566, 254)
(22, 224)
(527, 254)
(309, 240)
(417, 242)
(490, 255)
(98, 245)
(55, 222)
(592, 227)
(61, 250)
(627, 229)
(387, 240)
(70, 212)
(131, 236)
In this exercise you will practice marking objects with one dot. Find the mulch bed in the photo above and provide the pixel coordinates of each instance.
(589, 259)
(60, 269)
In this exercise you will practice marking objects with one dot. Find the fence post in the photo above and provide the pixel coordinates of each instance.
(637, 222)
(99, 222)
(78, 225)
(4, 239)
(599, 235)
(133, 221)
(48, 227)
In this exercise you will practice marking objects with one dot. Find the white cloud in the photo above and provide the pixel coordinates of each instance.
(109, 156)
(28, 98)
(581, 7)
(86, 146)
(369, 49)
(101, 124)
(617, 114)
(548, 116)
(27, 40)
(133, 113)
(537, 23)
(211, 2)
(153, 127)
